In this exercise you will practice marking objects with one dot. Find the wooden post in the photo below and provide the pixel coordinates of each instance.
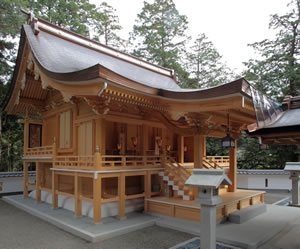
(38, 181)
(97, 159)
(233, 167)
(198, 151)
(54, 188)
(144, 139)
(25, 171)
(147, 190)
(121, 192)
(78, 204)
(204, 146)
(97, 198)
(180, 149)
(26, 134)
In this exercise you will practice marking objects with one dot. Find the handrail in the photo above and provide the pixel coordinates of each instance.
(39, 151)
(116, 162)
(74, 162)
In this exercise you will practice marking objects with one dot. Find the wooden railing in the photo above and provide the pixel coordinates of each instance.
(75, 162)
(39, 151)
(111, 162)
(218, 161)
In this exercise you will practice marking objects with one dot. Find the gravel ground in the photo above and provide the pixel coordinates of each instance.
(19, 229)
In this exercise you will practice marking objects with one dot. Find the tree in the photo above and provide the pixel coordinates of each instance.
(75, 15)
(159, 35)
(11, 19)
(205, 64)
(106, 25)
(277, 72)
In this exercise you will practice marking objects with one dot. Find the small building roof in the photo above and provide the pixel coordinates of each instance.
(292, 166)
(208, 178)
(286, 128)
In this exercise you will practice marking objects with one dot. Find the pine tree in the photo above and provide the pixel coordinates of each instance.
(159, 35)
(277, 72)
(205, 65)
(106, 26)
(75, 15)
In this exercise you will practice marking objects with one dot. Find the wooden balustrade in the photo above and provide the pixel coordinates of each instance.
(74, 162)
(218, 159)
(112, 162)
(39, 151)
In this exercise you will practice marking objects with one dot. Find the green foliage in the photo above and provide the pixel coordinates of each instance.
(74, 15)
(251, 156)
(159, 35)
(106, 25)
(12, 144)
(11, 19)
(277, 72)
(205, 65)
(214, 147)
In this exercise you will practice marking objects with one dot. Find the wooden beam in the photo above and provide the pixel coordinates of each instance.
(25, 170)
(30, 101)
(121, 193)
(147, 190)
(54, 188)
(78, 203)
(180, 149)
(198, 151)
(145, 139)
(97, 199)
(233, 168)
(38, 181)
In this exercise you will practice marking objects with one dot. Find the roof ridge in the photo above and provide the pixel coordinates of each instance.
(38, 24)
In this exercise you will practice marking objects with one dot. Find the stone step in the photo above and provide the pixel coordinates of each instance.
(246, 214)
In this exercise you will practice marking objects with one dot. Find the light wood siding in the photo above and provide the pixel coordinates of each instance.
(65, 130)
(85, 138)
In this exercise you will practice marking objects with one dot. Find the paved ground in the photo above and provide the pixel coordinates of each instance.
(21, 230)
(276, 196)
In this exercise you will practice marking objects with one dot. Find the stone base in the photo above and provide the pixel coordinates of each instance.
(246, 214)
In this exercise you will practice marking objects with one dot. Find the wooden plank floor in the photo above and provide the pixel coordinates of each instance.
(190, 210)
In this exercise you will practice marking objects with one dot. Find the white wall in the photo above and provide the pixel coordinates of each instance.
(279, 182)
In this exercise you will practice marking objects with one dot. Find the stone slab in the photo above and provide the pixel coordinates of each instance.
(249, 213)
(250, 234)
(255, 232)
(82, 227)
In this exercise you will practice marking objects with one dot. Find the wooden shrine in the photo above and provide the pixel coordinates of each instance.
(102, 126)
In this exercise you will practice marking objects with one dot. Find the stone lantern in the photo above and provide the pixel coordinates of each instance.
(294, 169)
(208, 181)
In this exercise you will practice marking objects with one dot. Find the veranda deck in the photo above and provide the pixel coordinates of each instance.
(190, 210)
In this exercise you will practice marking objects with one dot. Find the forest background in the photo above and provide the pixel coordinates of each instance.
(159, 35)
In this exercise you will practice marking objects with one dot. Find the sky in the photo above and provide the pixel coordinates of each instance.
(230, 24)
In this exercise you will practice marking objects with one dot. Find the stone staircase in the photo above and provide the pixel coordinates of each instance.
(176, 175)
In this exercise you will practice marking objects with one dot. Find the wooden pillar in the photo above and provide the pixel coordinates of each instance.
(198, 151)
(25, 171)
(145, 140)
(180, 149)
(97, 199)
(204, 146)
(97, 159)
(38, 181)
(233, 168)
(121, 192)
(54, 188)
(78, 204)
(26, 133)
(147, 190)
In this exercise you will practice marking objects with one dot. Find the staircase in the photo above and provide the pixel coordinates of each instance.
(176, 175)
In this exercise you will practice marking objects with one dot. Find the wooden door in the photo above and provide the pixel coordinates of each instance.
(85, 139)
